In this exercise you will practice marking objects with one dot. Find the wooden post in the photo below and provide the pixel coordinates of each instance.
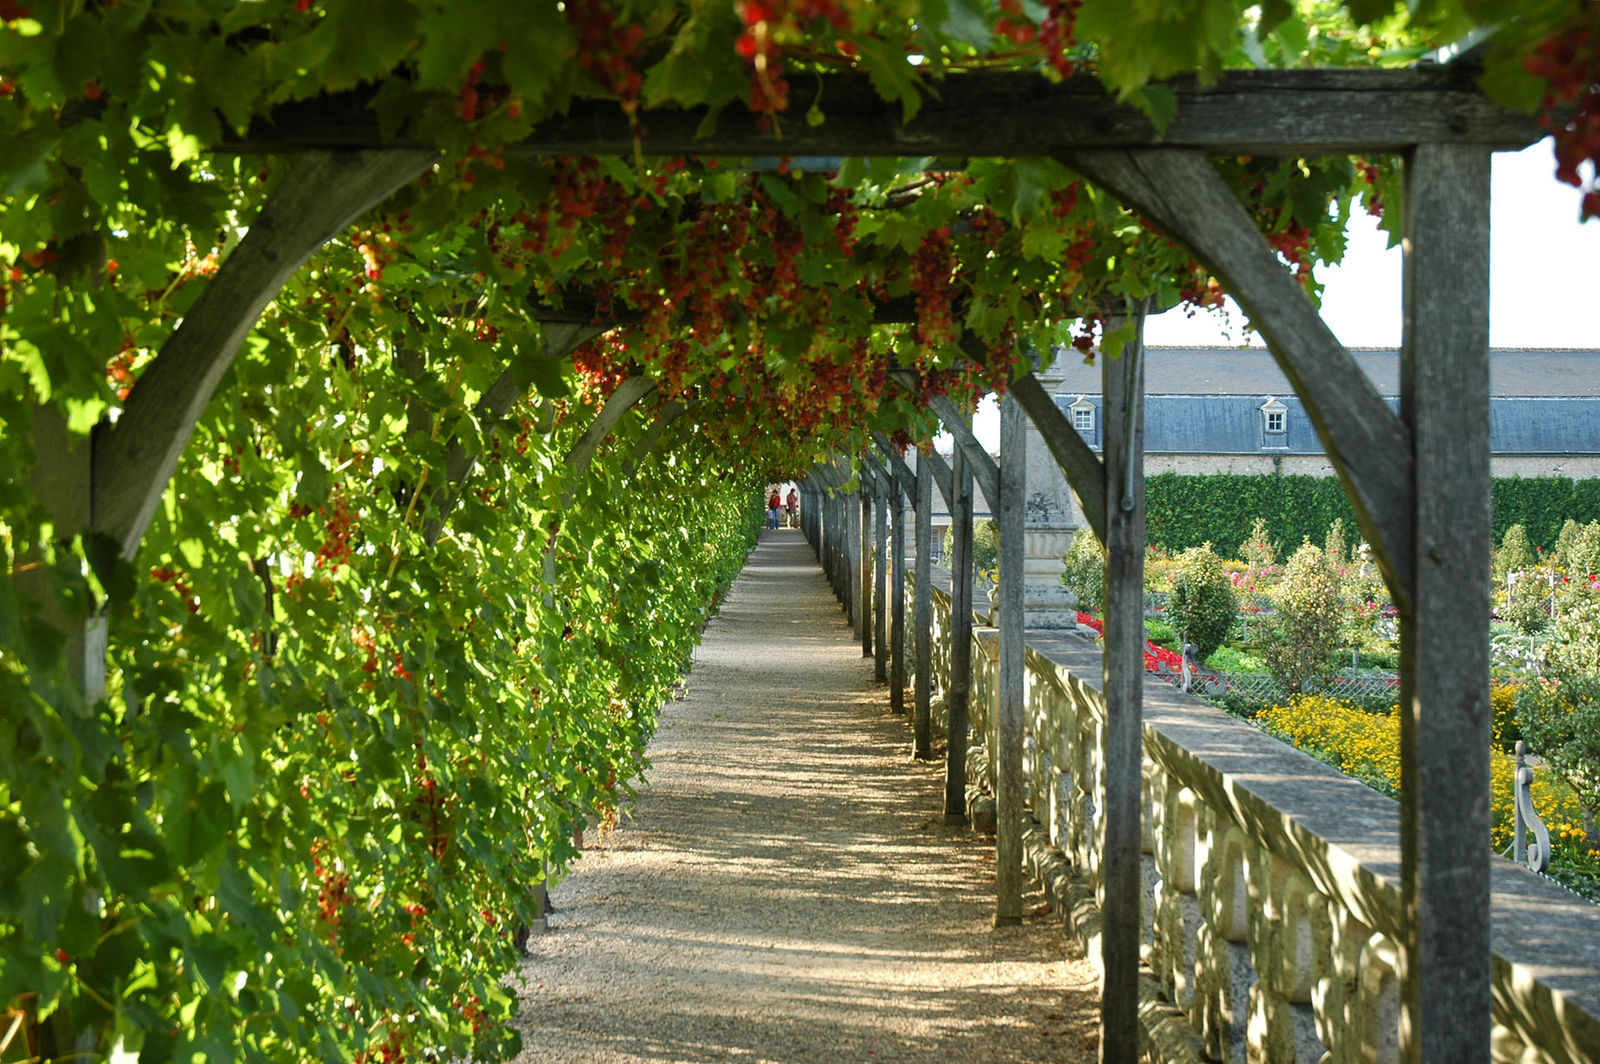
(850, 523)
(897, 595)
(1122, 750)
(1445, 966)
(922, 622)
(880, 586)
(864, 569)
(955, 774)
(1010, 794)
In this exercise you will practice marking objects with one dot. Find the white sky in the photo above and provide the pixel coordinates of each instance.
(1541, 279)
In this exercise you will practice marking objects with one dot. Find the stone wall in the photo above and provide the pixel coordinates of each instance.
(1272, 901)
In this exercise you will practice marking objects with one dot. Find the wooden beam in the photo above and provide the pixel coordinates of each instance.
(903, 489)
(904, 477)
(135, 456)
(1122, 741)
(922, 619)
(960, 691)
(897, 600)
(1010, 792)
(1081, 466)
(940, 473)
(1010, 113)
(1444, 656)
(1368, 445)
(984, 471)
(864, 569)
(627, 395)
(665, 418)
(882, 487)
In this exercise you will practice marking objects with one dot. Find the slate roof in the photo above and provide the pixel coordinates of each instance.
(1209, 401)
(1252, 371)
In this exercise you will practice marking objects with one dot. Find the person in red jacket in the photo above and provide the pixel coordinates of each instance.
(773, 505)
(792, 506)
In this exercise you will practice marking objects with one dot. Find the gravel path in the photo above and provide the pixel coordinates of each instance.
(785, 888)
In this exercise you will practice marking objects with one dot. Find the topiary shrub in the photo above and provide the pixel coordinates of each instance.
(1256, 550)
(1202, 606)
(1514, 552)
(1299, 640)
(1085, 573)
(1334, 545)
(1582, 552)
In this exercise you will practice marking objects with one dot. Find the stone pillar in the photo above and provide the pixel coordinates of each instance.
(1051, 516)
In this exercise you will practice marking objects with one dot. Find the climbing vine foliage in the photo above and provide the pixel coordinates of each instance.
(276, 780)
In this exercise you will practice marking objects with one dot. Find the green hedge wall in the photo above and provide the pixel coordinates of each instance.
(1187, 510)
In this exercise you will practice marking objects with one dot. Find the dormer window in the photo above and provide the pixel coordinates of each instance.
(1083, 416)
(1274, 420)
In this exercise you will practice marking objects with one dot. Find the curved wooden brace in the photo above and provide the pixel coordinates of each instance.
(135, 457)
(627, 395)
(984, 471)
(1367, 443)
(902, 472)
(670, 412)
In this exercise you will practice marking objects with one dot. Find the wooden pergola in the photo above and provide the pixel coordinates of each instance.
(1418, 479)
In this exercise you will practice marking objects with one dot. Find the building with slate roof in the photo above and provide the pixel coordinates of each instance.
(1231, 410)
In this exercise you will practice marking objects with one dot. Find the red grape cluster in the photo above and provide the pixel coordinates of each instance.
(1053, 37)
(932, 278)
(764, 21)
(341, 524)
(607, 51)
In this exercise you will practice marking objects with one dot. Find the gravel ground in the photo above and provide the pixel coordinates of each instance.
(785, 888)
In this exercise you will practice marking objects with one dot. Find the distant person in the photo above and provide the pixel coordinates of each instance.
(792, 504)
(774, 503)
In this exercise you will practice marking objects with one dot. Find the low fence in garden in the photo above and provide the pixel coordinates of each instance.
(1260, 687)
(1272, 907)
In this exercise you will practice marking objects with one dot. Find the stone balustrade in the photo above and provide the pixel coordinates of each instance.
(1272, 908)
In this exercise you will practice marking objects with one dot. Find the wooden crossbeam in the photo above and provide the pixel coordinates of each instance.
(971, 113)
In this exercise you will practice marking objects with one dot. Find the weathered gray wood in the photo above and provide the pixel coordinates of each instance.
(922, 620)
(627, 395)
(939, 473)
(956, 698)
(904, 478)
(135, 457)
(1444, 669)
(882, 489)
(994, 113)
(901, 488)
(897, 602)
(1122, 743)
(665, 418)
(864, 569)
(1367, 443)
(1010, 792)
(984, 472)
(1081, 466)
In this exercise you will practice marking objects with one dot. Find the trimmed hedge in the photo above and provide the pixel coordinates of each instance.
(1184, 510)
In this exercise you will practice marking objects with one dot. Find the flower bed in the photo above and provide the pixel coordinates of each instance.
(1366, 746)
